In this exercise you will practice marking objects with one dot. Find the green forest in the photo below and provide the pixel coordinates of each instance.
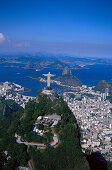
(67, 155)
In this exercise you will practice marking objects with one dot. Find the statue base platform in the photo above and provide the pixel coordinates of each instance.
(48, 91)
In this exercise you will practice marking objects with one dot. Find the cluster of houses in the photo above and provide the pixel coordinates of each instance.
(48, 121)
(11, 91)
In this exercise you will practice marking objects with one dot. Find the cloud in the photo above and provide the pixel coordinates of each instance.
(2, 37)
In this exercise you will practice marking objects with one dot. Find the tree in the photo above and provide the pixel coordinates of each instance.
(40, 126)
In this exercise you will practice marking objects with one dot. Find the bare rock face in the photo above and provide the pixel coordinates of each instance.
(67, 71)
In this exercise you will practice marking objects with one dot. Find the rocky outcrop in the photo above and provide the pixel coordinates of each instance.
(67, 71)
(68, 79)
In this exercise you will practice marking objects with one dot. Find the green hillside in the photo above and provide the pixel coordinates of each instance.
(67, 155)
(7, 107)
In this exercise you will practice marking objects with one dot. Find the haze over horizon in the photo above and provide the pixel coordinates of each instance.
(81, 28)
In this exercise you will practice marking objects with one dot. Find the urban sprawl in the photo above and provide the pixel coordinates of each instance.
(94, 117)
(13, 91)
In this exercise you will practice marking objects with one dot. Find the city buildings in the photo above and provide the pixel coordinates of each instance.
(13, 91)
(93, 113)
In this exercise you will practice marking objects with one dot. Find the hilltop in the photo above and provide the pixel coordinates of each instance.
(67, 154)
(68, 79)
(102, 85)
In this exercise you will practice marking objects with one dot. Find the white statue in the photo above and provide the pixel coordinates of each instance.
(49, 75)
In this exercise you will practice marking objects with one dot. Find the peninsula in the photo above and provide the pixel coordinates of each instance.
(68, 79)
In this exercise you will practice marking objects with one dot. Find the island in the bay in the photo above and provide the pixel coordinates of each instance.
(41, 61)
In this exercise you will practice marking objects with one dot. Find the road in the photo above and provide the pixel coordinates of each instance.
(18, 140)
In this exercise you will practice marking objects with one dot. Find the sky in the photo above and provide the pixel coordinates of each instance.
(75, 27)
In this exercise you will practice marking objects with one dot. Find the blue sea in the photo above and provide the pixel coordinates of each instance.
(90, 76)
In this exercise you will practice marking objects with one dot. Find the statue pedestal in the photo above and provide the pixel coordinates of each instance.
(48, 92)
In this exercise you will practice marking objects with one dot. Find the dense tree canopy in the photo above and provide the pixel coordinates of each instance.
(66, 155)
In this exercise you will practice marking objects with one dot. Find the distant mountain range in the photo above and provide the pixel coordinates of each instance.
(40, 61)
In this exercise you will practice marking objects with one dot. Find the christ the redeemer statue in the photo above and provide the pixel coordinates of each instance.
(49, 75)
